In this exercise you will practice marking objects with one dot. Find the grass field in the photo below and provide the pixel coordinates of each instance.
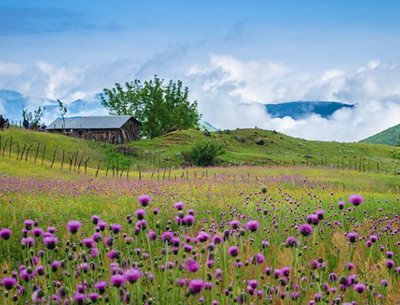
(239, 145)
(166, 253)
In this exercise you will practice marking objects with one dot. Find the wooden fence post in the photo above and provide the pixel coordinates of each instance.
(9, 151)
(27, 151)
(62, 159)
(54, 158)
(23, 152)
(44, 151)
(98, 168)
(37, 152)
(4, 148)
(17, 151)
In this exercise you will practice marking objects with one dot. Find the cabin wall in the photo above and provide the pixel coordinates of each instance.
(130, 131)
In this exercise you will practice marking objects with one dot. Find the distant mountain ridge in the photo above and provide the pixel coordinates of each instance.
(390, 136)
(302, 109)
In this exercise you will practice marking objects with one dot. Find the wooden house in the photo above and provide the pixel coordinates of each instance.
(115, 129)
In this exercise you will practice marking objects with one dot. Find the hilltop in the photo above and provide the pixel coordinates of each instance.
(241, 147)
(390, 136)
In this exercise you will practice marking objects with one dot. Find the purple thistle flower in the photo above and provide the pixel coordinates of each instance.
(312, 219)
(133, 275)
(151, 235)
(192, 265)
(8, 283)
(140, 213)
(38, 297)
(179, 205)
(29, 224)
(305, 229)
(259, 258)
(101, 225)
(389, 264)
(55, 265)
(291, 241)
(113, 254)
(360, 288)
(352, 237)
(320, 214)
(202, 236)
(115, 228)
(117, 280)
(50, 242)
(93, 297)
(95, 219)
(28, 242)
(5, 233)
(233, 251)
(389, 254)
(52, 230)
(356, 199)
(88, 242)
(94, 252)
(188, 220)
(144, 200)
(252, 225)
(101, 286)
(79, 298)
(39, 270)
(37, 232)
(341, 205)
(74, 226)
(26, 274)
(196, 286)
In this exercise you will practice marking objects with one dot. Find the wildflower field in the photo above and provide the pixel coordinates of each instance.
(244, 235)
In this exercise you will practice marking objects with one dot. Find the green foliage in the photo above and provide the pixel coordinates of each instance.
(158, 107)
(205, 153)
(390, 136)
(32, 119)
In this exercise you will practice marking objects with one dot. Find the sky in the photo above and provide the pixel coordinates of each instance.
(233, 55)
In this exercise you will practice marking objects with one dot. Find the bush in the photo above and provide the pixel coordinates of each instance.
(204, 153)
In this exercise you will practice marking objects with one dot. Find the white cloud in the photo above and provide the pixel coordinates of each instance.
(229, 90)
(227, 82)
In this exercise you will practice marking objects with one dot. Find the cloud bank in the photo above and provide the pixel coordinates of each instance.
(230, 90)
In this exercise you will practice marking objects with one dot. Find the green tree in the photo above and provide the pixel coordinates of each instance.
(205, 153)
(157, 106)
(63, 111)
(32, 119)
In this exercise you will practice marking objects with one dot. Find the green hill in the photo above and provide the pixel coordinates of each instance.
(390, 136)
(241, 147)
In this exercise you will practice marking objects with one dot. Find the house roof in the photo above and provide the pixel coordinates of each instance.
(91, 122)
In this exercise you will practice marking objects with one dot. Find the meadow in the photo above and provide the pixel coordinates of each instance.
(238, 235)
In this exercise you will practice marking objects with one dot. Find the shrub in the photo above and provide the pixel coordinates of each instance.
(204, 153)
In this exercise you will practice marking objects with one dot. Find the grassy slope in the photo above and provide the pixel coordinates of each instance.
(278, 149)
(390, 136)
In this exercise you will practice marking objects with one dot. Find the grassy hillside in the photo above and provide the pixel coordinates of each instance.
(390, 136)
(239, 145)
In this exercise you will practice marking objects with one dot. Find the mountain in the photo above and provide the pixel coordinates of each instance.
(302, 109)
(390, 136)
(207, 126)
(11, 104)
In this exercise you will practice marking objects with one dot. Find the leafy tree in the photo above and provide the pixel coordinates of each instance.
(63, 111)
(32, 119)
(205, 153)
(157, 106)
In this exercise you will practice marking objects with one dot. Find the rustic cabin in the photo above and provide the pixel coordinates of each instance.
(116, 129)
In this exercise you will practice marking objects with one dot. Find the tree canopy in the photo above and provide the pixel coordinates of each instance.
(158, 107)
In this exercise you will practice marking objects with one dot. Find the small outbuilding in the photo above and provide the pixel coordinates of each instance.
(114, 129)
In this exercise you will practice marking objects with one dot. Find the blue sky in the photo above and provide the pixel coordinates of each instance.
(235, 51)
(309, 33)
